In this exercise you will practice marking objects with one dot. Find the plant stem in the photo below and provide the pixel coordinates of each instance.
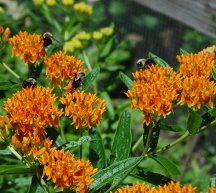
(62, 132)
(80, 146)
(144, 155)
(46, 189)
(11, 71)
(137, 143)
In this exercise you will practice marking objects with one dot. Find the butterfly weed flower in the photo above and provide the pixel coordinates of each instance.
(86, 109)
(210, 50)
(61, 66)
(32, 108)
(65, 171)
(171, 187)
(154, 90)
(5, 131)
(67, 2)
(197, 88)
(29, 47)
(196, 64)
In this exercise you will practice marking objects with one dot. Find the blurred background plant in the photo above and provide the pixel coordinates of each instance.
(110, 35)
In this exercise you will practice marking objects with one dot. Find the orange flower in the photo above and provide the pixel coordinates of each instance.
(212, 190)
(29, 47)
(196, 65)
(154, 91)
(197, 91)
(32, 108)
(65, 171)
(61, 66)
(85, 109)
(170, 188)
(4, 33)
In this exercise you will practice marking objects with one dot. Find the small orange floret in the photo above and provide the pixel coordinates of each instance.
(29, 47)
(61, 66)
(85, 109)
(154, 90)
(65, 171)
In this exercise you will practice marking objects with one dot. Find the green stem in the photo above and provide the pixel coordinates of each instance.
(42, 182)
(80, 146)
(11, 71)
(62, 132)
(30, 66)
(137, 143)
(144, 155)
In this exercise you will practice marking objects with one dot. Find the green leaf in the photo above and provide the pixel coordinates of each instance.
(212, 182)
(208, 117)
(174, 128)
(109, 105)
(118, 56)
(90, 77)
(182, 51)
(126, 80)
(72, 144)
(14, 169)
(106, 175)
(35, 186)
(169, 167)
(194, 121)
(214, 73)
(108, 47)
(157, 60)
(97, 154)
(151, 177)
(8, 85)
(122, 140)
(154, 137)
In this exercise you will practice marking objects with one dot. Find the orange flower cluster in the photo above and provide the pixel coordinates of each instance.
(61, 66)
(154, 91)
(65, 171)
(197, 89)
(196, 65)
(85, 108)
(31, 109)
(170, 188)
(212, 190)
(29, 47)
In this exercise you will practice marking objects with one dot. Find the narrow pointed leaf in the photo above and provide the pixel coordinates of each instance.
(157, 60)
(106, 175)
(97, 154)
(90, 77)
(170, 168)
(8, 85)
(174, 128)
(14, 169)
(126, 80)
(35, 186)
(72, 144)
(194, 121)
(182, 51)
(122, 139)
(109, 105)
(108, 47)
(214, 73)
(153, 178)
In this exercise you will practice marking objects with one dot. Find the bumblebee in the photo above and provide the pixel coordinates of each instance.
(78, 80)
(48, 37)
(30, 82)
(143, 64)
